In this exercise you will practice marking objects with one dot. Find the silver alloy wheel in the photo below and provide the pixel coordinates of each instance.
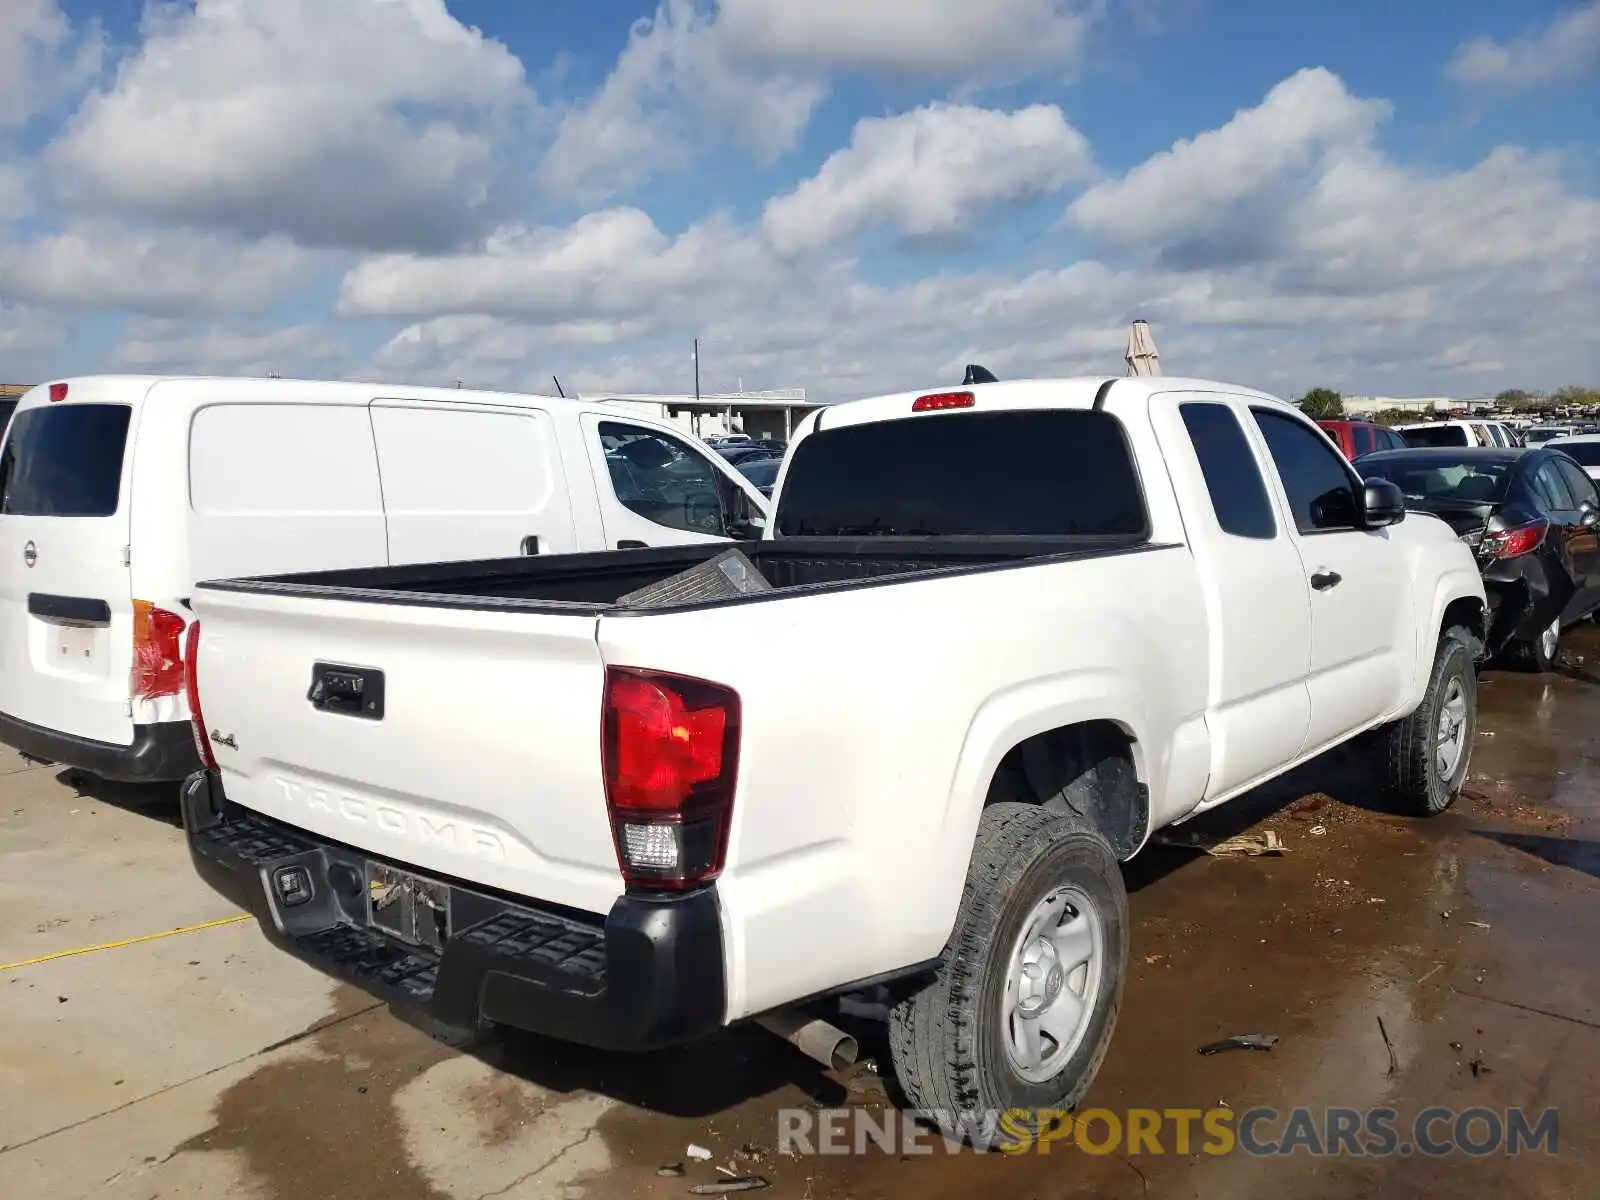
(1451, 741)
(1550, 639)
(1053, 980)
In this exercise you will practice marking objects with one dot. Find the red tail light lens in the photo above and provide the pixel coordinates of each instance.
(671, 752)
(1514, 543)
(157, 651)
(197, 719)
(942, 400)
(58, 393)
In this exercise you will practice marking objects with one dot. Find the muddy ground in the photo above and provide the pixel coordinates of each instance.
(1451, 963)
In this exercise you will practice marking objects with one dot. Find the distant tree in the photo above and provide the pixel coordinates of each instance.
(1322, 404)
(1575, 394)
(1393, 416)
(1514, 398)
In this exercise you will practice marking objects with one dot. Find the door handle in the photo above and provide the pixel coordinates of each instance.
(627, 544)
(1323, 580)
(530, 544)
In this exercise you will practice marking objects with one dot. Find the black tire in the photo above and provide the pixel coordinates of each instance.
(1533, 655)
(1407, 747)
(945, 1041)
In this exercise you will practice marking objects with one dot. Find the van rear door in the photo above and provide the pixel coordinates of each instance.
(66, 611)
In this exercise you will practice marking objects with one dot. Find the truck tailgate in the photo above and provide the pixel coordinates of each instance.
(480, 761)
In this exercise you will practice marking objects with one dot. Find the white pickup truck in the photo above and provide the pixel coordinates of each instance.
(1012, 630)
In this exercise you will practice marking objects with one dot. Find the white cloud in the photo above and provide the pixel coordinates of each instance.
(929, 171)
(951, 39)
(675, 85)
(608, 264)
(1189, 188)
(303, 351)
(26, 337)
(105, 268)
(42, 59)
(1566, 49)
(360, 123)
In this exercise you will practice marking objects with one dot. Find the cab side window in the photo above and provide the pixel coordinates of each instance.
(662, 480)
(1322, 492)
(1238, 495)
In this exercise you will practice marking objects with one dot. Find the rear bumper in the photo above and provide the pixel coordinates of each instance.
(649, 975)
(162, 753)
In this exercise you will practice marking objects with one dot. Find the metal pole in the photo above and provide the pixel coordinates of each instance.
(697, 370)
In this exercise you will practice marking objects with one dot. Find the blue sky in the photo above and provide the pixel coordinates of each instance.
(845, 195)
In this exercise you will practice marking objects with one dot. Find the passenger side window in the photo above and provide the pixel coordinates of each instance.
(1322, 493)
(1238, 494)
(1579, 484)
(1551, 488)
(662, 480)
(1393, 441)
(1363, 439)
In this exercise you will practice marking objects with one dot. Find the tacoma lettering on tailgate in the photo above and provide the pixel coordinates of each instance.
(439, 832)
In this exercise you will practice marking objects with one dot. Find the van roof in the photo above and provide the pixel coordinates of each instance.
(133, 389)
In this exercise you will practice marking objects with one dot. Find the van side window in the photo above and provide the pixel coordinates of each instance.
(64, 461)
(662, 480)
(1322, 493)
(1238, 495)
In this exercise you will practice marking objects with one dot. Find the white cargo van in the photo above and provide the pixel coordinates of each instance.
(118, 493)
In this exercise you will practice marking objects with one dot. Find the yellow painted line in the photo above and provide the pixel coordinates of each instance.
(133, 941)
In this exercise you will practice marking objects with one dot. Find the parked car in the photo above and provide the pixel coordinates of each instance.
(1540, 434)
(763, 472)
(1531, 518)
(1012, 630)
(1582, 448)
(747, 452)
(118, 493)
(1355, 438)
(1457, 433)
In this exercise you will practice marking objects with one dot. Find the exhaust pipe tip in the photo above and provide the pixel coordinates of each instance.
(817, 1039)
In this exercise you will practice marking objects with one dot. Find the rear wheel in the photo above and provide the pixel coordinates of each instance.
(1022, 1008)
(1425, 757)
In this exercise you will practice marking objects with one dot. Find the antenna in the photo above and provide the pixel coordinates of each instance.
(977, 374)
(558, 387)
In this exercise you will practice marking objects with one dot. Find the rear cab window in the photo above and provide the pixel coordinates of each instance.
(1029, 473)
(65, 460)
(1437, 435)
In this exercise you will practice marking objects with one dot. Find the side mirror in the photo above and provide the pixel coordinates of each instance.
(1382, 504)
(1588, 515)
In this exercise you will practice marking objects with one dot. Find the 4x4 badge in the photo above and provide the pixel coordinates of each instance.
(30, 554)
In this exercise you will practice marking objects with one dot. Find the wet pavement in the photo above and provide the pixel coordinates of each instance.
(1401, 964)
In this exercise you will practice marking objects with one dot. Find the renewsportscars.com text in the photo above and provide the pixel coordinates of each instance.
(1259, 1132)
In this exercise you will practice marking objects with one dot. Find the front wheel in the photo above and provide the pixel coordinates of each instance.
(1424, 757)
(1540, 653)
(1021, 1011)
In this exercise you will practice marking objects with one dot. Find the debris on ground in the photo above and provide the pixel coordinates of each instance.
(1478, 1067)
(698, 1153)
(1242, 1041)
(723, 1187)
(1318, 830)
(671, 1171)
(1479, 924)
(1394, 1059)
(1250, 845)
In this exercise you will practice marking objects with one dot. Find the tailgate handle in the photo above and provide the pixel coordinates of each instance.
(69, 610)
(349, 691)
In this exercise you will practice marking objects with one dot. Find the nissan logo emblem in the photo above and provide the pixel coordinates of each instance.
(30, 554)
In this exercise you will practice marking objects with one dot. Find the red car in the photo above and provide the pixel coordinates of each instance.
(1356, 438)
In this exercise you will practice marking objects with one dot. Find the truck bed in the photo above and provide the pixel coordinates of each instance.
(575, 583)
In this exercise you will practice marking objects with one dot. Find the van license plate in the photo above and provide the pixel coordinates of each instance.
(408, 907)
(74, 647)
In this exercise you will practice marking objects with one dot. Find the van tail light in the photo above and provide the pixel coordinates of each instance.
(197, 719)
(670, 747)
(157, 651)
(942, 400)
(1514, 543)
(58, 393)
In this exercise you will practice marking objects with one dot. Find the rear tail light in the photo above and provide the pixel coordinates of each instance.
(1513, 543)
(671, 752)
(197, 719)
(58, 393)
(942, 400)
(157, 651)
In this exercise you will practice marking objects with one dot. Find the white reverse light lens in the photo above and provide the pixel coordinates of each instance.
(651, 847)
